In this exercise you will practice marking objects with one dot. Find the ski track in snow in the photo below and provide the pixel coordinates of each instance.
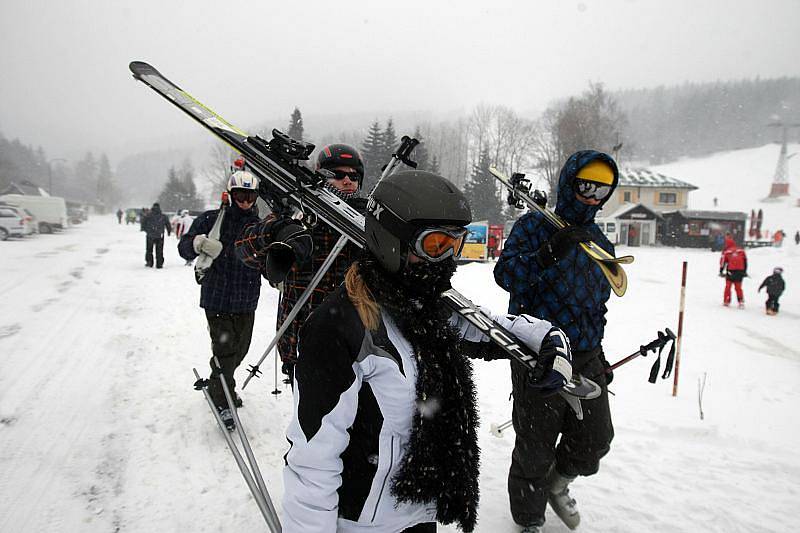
(101, 430)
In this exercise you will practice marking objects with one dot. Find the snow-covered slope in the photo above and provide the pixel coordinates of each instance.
(100, 429)
(740, 180)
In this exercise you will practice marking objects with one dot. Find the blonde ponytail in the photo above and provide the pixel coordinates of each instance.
(368, 309)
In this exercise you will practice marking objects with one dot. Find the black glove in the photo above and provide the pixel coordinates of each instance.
(273, 245)
(606, 365)
(291, 243)
(560, 244)
(287, 368)
(721, 272)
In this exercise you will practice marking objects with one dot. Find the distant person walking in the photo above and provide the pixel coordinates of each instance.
(154, 223)
(733, 267)
(778, 238)
(119, 216)
(797, 237)
(775, 287)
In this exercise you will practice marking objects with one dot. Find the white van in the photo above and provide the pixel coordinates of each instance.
(50, 211)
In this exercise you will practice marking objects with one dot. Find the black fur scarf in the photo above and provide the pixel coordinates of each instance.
(441, 462)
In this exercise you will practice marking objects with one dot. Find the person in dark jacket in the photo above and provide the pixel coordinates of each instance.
(153, 224)
(733, 267)
(119, 215)
(230, 289)
(347, 175)
(775, 287)
(384, 431)
(549, 277)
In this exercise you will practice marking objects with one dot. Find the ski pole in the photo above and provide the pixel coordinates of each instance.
(254, 369)
(402, 155)
(272, 521)
(658, 344)
(254, 490)
(497, 430)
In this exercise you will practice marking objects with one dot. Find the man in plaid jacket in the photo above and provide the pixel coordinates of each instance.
(345, 169)
(550, 278)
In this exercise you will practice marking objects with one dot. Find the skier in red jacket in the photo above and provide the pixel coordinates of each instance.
(733, 267)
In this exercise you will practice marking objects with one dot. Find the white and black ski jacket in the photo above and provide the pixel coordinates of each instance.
(354, 403)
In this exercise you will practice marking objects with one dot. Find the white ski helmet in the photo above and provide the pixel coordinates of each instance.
(241, 179)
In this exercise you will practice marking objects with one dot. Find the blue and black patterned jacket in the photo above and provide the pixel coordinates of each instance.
(229, 286)
(571, 294)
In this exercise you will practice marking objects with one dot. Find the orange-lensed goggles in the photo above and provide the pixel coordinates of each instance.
(438, 244)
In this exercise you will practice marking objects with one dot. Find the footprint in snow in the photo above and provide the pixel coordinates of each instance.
(7, 331)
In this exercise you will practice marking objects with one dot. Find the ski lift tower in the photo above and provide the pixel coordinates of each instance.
(780, 183)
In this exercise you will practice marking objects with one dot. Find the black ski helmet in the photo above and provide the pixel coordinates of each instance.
(341, 155)
(404, 203)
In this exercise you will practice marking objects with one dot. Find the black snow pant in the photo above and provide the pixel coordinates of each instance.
(230, 340)
(772, 302)
(538, 422)
(158, 244)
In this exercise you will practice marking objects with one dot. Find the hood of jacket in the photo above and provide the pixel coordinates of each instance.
(568, 206)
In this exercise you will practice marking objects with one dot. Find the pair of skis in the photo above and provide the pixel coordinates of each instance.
(250, 470)
(287, 184)
(520, 195)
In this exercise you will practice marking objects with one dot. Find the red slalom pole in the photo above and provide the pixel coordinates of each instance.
(680, 332)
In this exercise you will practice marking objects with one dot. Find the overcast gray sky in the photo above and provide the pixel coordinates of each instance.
(65, 84)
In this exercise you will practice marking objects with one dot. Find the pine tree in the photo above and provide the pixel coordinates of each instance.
(186, 177)
(179, 192)
(389, 142)
(296, 125)
(434, 164)
(481, 191)
(420, 154)
(86, 176)
(372, 151)
(106, 191)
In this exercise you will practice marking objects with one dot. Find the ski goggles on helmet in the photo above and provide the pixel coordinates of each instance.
(339, 175)
(592, 190)
(244, 195)
(438, 244)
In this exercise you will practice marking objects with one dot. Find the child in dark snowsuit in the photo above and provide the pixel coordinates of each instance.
(775, 286)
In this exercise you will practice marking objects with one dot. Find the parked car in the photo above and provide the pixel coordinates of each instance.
(76, 215)
(11, 224)
(50, 210)
(30, 222)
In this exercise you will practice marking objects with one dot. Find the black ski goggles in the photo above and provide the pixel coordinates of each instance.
(592, 190)
(244, 195)
(339, 175)
(438, 244)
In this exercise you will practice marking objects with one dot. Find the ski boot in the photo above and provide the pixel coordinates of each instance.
(533, 528)
(227, 418)
(561, 502)
(741, 305)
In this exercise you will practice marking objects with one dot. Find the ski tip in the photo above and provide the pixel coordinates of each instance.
(140, 68)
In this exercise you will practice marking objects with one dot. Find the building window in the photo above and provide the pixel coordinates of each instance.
(667, 198)
(611, 227)
(626, 196)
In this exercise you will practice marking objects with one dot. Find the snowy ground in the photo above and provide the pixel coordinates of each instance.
(100, 429)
